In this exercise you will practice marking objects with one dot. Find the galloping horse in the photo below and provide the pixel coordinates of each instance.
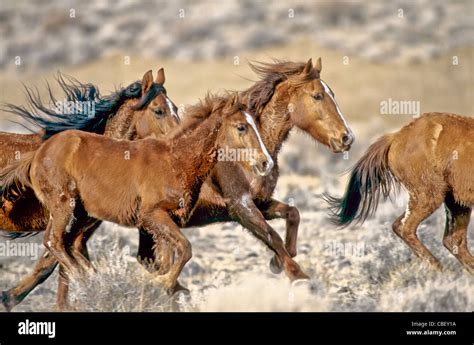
(140, 110)
(432, 158)
(289, 94)
(79, 177)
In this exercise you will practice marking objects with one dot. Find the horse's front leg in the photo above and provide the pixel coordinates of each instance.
(146, 253)
(274, 209)
(248, 215)
(161, 227)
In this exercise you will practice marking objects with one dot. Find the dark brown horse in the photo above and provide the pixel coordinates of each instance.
(80, 178)
(288, 95)
(432, 158)
(140, 110)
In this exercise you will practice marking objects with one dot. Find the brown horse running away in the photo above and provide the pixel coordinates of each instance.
(79, 177)
(140, 110)
(432, 158)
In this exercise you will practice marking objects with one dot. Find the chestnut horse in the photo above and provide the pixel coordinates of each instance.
(432, 158)
(288, 95)
(140, 110)
(79, 177)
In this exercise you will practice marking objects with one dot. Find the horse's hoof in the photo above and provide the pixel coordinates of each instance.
(275, 265)
(301, 282)
(178, 288)
(6, 301)
(65, 308)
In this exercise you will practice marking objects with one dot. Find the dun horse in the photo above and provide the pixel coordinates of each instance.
(79, 177)
(432, 158)
(140, 110)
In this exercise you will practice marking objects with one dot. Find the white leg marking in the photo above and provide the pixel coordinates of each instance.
(407, 213)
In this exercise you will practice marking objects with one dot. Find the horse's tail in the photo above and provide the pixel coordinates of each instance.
(370, 179)
(15, 177)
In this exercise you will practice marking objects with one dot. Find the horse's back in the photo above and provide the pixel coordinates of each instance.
(456, 149)
(434, 152)
(13, 145)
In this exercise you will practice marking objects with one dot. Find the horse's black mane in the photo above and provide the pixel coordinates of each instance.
(53, 121)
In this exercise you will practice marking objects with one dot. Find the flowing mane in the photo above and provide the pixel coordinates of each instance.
(53, 121)
(271, 74)
(226, 104)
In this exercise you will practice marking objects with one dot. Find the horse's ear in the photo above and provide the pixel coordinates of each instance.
(319, 65)
(160, 77)
(147, 82)
(308, 67)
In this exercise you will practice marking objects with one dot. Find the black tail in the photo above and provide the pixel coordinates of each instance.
(15, 235)
(370, 180)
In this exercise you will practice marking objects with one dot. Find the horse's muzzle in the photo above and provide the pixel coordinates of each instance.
(263, 166)
(342, 144)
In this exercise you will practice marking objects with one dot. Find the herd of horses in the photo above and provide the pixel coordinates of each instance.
(136, 163)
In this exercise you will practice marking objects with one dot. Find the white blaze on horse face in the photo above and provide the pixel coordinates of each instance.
(329, 93)
(251, 122)
(171, 108)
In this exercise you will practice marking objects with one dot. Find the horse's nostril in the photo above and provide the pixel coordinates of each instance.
(346, 139)
(264, 165)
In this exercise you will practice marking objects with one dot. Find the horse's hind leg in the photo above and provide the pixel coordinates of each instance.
(80, 253)
(277, 209)
(43, 269)
(55, 238)
(418, 209)
(455, 234)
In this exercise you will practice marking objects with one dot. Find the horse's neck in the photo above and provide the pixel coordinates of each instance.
(119, 125)
(274, 123)
(195, 155)
(196, 151)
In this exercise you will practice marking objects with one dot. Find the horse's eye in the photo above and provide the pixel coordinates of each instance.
(319, 96)
(242, 128)
(159, 112)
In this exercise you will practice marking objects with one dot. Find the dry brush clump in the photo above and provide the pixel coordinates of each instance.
(119, 284)
(413, 287)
